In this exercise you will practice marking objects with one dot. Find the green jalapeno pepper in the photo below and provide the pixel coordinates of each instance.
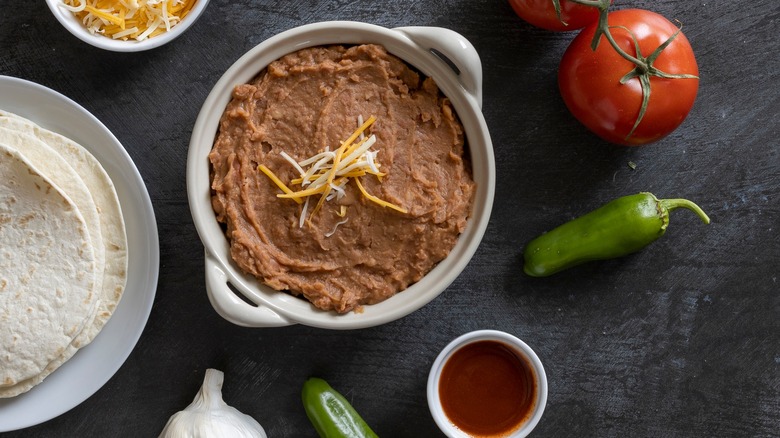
(330, 413)
(618, 228)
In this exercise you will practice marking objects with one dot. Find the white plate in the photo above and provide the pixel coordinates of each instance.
(91, 367)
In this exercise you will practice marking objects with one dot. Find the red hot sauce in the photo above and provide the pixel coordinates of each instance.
(487, 390)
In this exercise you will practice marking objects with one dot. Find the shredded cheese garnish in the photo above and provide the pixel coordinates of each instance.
(377, 200)
(327, 173)
(129, 19)
(277, 181)
(336, 227)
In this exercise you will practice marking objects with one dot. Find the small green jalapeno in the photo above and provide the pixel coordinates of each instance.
(618, 228)
(330, 413)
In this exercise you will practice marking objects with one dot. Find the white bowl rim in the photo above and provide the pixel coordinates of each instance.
(69, 21)
(434, 404)
(292, 309)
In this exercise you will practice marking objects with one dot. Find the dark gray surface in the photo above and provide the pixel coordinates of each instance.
(681, 339)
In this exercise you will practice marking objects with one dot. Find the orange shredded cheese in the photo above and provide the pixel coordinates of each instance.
(329, 171)
(129, 19)
(277, 181)
(377, 200)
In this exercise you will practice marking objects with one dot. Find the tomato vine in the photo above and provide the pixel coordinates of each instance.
(643, 66)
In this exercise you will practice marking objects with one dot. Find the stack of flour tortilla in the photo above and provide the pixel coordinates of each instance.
(63, 251)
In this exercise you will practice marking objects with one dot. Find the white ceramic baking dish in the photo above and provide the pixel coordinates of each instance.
(442, 54)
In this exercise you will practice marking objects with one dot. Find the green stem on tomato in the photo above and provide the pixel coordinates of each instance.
(557, 6)
(636, 60)
(643, 66)
(593, 3)
(644, 69)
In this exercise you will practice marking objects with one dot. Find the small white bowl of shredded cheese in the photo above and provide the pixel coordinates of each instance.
(127, 25)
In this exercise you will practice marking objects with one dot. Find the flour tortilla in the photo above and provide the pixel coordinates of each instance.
(112, 226)
(48, 269)
(55, 168)
(112, 229)
(63, 178)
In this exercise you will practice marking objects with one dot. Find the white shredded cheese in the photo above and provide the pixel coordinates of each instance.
(329, 172)
(124, 33)
(294, 163)
(75, 8)
(302, 219)
(339, 223)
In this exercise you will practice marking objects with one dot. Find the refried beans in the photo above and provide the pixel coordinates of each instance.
(307, 102)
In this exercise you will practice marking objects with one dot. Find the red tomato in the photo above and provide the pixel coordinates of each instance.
(589, 80)
(541, 13)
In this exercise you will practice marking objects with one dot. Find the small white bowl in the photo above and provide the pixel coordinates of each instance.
(73, 25)
(421, 47)
(520, 348)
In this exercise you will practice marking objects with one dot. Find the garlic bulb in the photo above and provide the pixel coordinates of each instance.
(209, 416)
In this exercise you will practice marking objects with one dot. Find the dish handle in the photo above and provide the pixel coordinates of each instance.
(455, 50)
(231, 307)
